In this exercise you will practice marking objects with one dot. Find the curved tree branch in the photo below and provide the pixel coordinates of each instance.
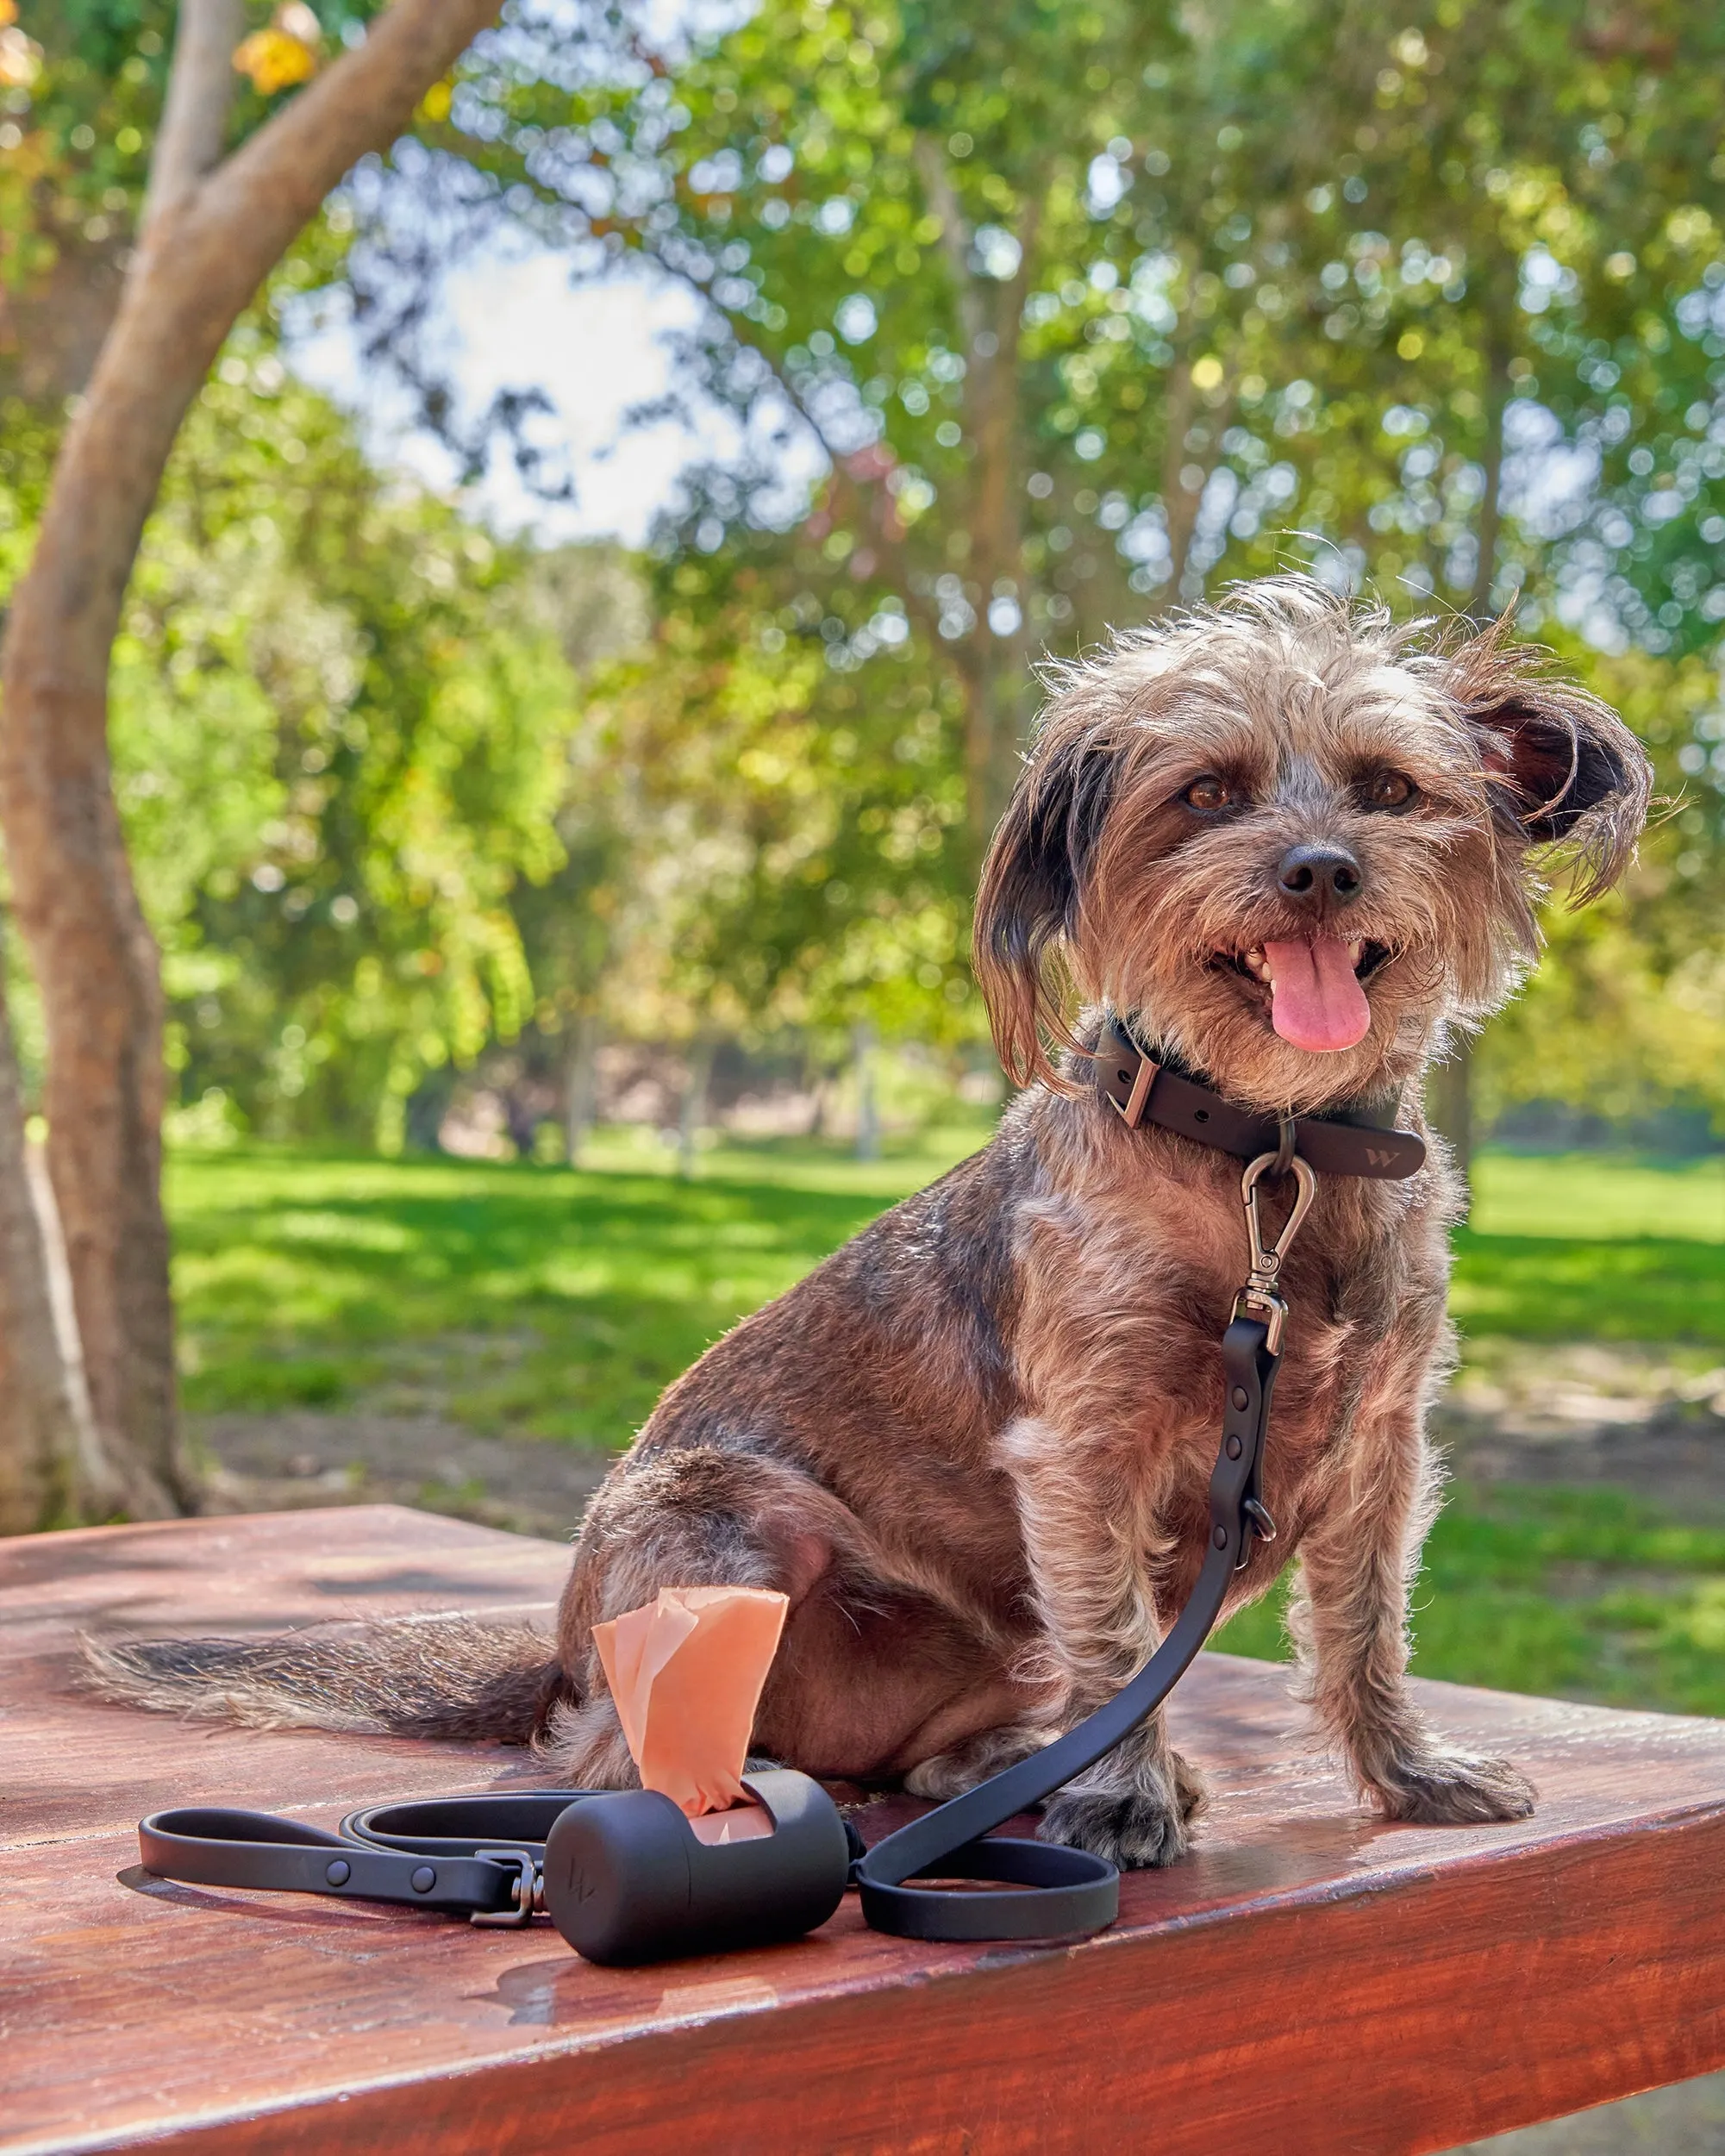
(200, 95)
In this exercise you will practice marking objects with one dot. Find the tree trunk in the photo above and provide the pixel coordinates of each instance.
(1492, 461)
(992, 668)
(101, 996)
(997, 527)
(992, 674)
(694, 1108)
(212, 232)
(816, 1076)
(1179, 506)
(868, 1107)
(580, 1084)
(1449, 1092)
(52, 1468)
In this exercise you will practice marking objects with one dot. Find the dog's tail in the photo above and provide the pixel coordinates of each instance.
(428, 1677)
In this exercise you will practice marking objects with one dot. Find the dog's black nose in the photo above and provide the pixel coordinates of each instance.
(1319, 876)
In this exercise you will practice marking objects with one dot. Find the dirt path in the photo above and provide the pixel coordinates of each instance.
(1631, 1418)
(1623, 1417)
(296, 1459)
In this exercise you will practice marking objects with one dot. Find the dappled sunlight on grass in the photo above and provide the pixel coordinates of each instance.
(301, 1277)
(558, 1303)
(1545, 1287)
(1584, 1593)
(312, 1278)
(1596, 1196)
(1580, 1246)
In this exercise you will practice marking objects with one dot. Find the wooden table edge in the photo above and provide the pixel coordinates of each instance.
(774, 2057)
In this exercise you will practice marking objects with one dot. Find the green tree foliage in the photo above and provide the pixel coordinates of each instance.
(1080, 311)
(778, 835)
(1092, 306)
(342, 720)
(1089, 310)
(1626, 1018)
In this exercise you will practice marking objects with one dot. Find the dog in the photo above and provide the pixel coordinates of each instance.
(1295, 849)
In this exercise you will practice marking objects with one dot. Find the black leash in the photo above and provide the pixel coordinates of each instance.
(1073, 1890)
(1076, 1892)
(622, 1874)
(478, 1856)
(619, 1871)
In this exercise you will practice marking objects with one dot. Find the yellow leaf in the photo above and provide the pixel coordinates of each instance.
(435, 106)
(275, 62)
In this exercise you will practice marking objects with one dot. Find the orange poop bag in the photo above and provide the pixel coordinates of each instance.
(686, 1673)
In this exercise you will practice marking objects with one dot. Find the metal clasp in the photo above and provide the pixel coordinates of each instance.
(1260, 1298)
(526, 1893)
(1131, 1109)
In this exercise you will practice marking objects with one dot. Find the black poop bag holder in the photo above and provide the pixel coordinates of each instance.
(626, 1876)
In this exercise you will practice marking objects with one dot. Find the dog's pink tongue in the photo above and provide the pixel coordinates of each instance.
(1315, 999)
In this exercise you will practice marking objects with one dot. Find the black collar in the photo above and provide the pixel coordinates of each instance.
(1344, 1142)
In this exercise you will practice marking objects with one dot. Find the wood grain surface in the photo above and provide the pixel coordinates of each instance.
(1309, 1981)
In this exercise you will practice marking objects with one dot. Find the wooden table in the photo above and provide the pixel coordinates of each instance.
(1308, 1981)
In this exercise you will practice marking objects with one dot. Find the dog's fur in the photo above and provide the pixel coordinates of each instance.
(972, 1447)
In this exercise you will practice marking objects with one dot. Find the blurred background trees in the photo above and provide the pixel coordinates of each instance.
(1030, 319)
(1083, 312)
(227, 192)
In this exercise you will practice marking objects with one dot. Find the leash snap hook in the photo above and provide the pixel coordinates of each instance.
(1259, 1299)
(1266, 1258)
(527, 1891)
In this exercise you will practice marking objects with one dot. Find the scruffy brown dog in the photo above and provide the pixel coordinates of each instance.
(1293, 849)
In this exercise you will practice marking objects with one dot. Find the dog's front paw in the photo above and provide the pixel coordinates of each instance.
(1132, 1829)
(1135, 1829)
(1451, 1789)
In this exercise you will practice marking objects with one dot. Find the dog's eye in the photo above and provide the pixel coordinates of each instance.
(1389, 789)
(1209, 794)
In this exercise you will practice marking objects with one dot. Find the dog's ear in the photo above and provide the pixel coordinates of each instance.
(1562, 767)
(1032, 887)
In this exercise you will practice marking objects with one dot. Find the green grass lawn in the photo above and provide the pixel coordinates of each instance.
(1583, 1594)
(1572, 1247)
(519, 1298)
(546, 1302)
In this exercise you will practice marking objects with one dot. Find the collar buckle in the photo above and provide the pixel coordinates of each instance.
(1131, 1109)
